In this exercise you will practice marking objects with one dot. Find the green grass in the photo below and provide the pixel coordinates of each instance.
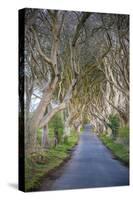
(39, 165)
(119, 150)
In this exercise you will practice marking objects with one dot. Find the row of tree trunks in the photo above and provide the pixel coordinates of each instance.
(50, 88)
(40, 118)
(38, 115)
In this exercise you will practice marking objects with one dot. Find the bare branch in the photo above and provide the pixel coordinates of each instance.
(48, 60)
(79, 26)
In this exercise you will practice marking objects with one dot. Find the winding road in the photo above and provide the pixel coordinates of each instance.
(91, 165)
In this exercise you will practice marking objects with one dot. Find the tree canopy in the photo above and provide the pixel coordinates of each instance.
(78, 63)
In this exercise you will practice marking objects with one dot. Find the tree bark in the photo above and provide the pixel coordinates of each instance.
(31, 140)
(66, 129)
(45, 139)
(50, 114)
(38, 115)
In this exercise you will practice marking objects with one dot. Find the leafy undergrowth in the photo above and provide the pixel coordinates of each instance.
(123, 134)
(119, 150)
(40, 164)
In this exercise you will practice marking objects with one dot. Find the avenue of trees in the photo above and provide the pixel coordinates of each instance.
(76, 63)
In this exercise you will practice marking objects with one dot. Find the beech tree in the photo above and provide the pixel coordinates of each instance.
(76, 62)
(49, 65)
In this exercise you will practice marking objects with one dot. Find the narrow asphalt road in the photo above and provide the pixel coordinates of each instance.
(91, 165)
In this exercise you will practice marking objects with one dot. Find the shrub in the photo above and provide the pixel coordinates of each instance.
(56, 123)
(114, 124)
(65, 140)
(123, 134)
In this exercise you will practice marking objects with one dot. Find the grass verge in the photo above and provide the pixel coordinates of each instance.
(40, 164)
(118, 150)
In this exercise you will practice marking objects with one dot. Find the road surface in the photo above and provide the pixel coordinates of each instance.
(91, 165)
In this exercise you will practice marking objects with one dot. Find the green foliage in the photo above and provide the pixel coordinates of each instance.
(65, 140)
(81, 130)
(114, 124)
(55, 123)
(39, 165)
(58, 124)
(123, 134)
(118, 150)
